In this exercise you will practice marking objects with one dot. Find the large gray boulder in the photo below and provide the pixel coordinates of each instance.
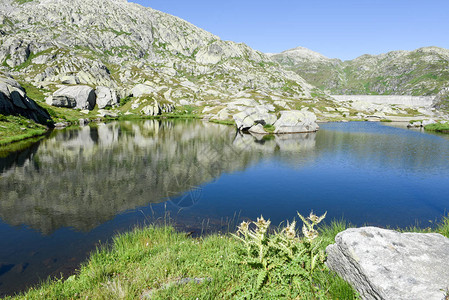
(13, 100)
(257, 129)
(106, 97)
(295, 121)
(385, 264)
(253, 116)
(79, 96)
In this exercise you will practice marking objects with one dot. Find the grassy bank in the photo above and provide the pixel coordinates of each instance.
(438, 127)
(158, 262)
(16, 128)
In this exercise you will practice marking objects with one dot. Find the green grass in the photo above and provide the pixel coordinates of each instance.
(33, 92)
(269, 128)
(23, 1)
(16, 128)
(7, 149)
(224, 122)
(4, 64)
(160, 263)
(125, 100)
(438, 127)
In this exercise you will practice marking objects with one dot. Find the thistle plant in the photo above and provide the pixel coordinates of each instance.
(282, 263)
(311, 243)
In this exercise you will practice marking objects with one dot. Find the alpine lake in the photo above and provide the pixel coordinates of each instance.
(73, 190)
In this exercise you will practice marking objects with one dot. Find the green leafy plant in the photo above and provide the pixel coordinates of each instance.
(125, 100)
(282, 264)
(269, 128)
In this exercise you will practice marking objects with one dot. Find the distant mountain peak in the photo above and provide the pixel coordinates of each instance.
(423, 71)
(305, 51)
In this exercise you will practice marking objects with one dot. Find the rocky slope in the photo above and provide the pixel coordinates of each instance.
(119, 45)
(424, 71)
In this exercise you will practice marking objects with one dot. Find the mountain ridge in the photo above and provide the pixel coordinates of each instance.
(420, 72)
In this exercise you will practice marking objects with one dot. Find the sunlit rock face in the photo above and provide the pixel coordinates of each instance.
(82, 178)
(14, 100)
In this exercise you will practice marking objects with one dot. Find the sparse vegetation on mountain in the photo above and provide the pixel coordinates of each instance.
(424, 71)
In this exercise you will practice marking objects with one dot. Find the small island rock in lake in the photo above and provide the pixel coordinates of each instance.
(255, 119)
(295, 121)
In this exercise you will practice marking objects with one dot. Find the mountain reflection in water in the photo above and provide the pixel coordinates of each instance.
(64, 194)
(83, 178)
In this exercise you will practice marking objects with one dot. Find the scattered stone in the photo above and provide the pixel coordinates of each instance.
(154, 109)
(385, 264)
(141, 90)
(428, 122)
(148, 110)
(251, 116)
(62, 125)
(415, 125)
(342, 109)
(106, 113)
(83, 122)
(106, 97)
(222, 114)
(282, 104)
(70, 80)
(257, 129)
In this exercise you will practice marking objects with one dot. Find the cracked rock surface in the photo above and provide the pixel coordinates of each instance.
(386, 264)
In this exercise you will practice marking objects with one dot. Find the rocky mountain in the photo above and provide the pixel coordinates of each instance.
(312, 64)
(424, 71)
(135, 51)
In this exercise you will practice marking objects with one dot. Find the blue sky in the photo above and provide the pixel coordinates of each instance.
(340, 29)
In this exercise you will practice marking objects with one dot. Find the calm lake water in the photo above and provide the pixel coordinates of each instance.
(60, 197)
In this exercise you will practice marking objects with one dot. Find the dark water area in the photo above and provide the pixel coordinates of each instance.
(63, 196)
